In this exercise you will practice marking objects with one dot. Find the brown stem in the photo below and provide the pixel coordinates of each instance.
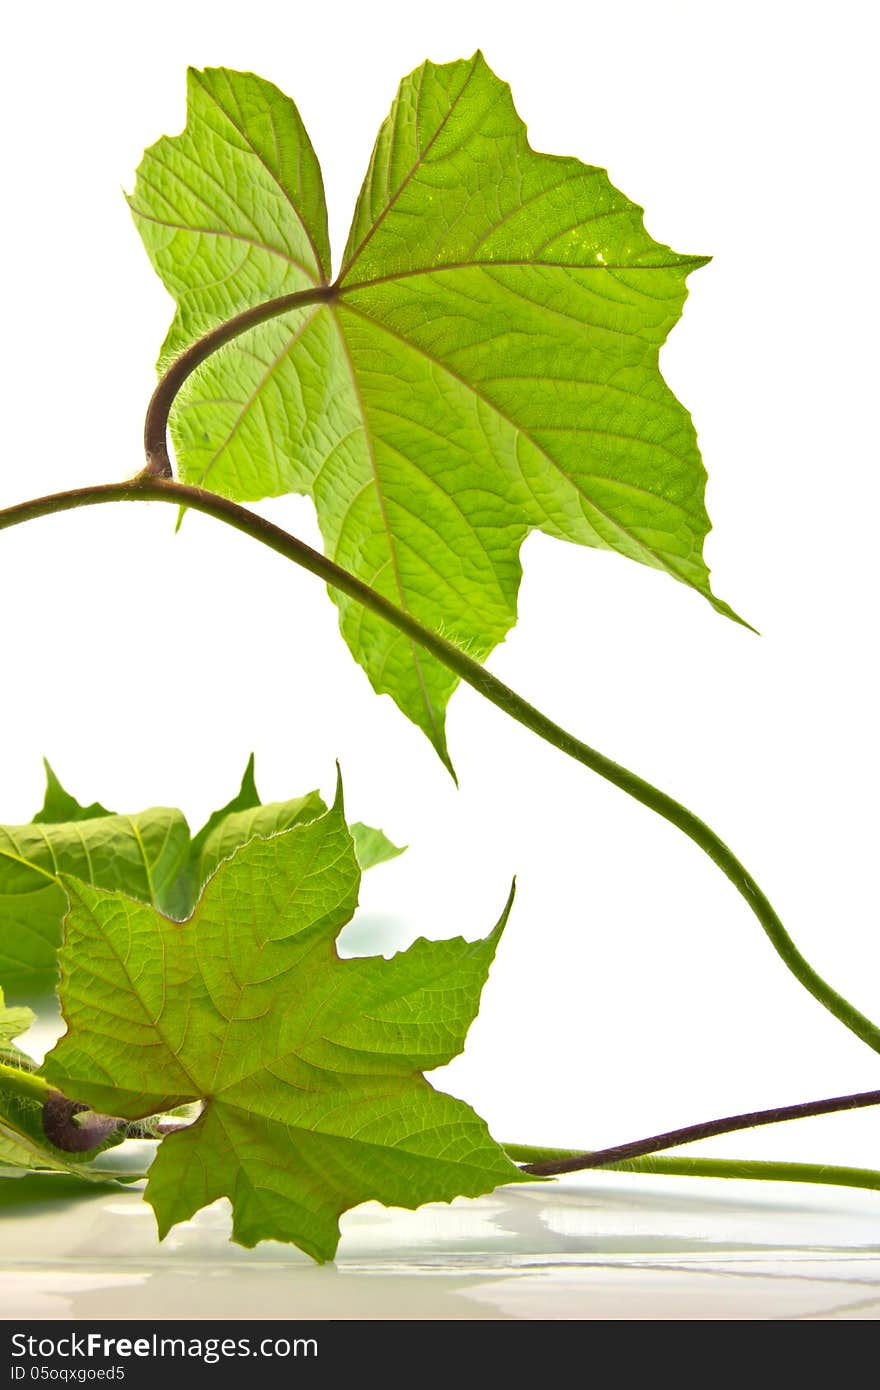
(156, 422)
(690, 1133)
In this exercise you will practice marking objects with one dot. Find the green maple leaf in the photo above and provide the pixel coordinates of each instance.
(309, 1066)
(150, 856)
(487, 364)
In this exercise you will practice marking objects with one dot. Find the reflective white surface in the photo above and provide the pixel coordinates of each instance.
(596, 1247)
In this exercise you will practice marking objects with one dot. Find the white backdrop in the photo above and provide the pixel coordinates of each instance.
(633, 991)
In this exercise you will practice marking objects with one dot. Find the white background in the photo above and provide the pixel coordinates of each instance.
(633, 990)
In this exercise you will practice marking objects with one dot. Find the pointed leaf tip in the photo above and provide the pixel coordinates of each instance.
(248, 782)
(505, 914)
(338, 801)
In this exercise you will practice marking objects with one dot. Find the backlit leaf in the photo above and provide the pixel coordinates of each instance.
(487, 363)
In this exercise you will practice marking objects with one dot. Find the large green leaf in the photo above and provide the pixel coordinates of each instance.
(487, 365)
(150, 856)
(309, 1066)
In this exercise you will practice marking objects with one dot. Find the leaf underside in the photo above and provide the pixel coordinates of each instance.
(150, 856)
(488, 367)
(309, 1066)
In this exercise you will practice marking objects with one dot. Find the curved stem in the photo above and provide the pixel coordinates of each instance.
(156, 421)
(743, 1169)
(149, 487)
(689, 1134)
(158, 463)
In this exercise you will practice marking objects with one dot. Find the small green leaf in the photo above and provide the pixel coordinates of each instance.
(487, 366)
(309, 1066)
(371, 846)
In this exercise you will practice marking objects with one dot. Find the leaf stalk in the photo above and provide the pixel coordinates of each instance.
(756, 1170)
(156, 420)
(21, 1082)
(552, 1165)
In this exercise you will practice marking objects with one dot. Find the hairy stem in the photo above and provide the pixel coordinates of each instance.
(156, 421)
(73, 1135)
(20, 1081)
(600, 1158)
(150, 487)
(744, 1169)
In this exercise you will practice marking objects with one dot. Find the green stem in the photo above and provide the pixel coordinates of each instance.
(757, 1170)
(19, 1082)
(706, 1129)
(150, 487)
